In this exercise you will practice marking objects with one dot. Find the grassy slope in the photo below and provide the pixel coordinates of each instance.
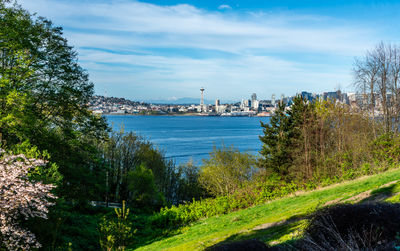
(241, 224)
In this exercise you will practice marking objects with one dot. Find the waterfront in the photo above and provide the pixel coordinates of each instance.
(193, 137)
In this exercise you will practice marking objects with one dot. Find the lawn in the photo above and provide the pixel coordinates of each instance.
(281, 220)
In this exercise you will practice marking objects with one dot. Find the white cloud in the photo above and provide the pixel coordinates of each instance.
(143, 29)
(224, 7)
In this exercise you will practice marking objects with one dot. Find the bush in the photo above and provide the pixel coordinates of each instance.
(246, 197)
(116, 234)
(227, 170)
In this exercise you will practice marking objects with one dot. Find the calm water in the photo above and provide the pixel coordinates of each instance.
(193, 137)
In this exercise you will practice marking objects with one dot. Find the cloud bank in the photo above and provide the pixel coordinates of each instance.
(145, 51)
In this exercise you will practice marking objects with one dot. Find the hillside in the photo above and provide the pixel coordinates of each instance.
(281, 220)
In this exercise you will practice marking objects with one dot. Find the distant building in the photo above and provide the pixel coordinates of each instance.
(253, 97)
(246, 103)
(332, 95)
(307, 96)
(273, 100)
(255, 104)
(220, 109)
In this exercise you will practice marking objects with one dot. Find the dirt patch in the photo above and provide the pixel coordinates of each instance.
(331, 202)
(366, 197)
(280, 223)
(270, 224)
(359, 197)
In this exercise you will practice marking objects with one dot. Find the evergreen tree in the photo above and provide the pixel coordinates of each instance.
(277, 143)
(302, 117)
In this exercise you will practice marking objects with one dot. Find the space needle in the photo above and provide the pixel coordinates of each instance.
(202, 99)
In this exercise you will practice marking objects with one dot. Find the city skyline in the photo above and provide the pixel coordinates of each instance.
(152, 50)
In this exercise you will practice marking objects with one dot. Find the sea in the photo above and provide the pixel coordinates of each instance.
(185, 138)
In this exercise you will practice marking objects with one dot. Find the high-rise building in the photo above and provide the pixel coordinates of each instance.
(255, 104)
(217, 103)
(273, 99)
(253, 97)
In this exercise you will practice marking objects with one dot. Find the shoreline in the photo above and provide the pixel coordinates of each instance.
(178, 115)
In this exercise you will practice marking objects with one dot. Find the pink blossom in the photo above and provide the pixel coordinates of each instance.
(20, 198)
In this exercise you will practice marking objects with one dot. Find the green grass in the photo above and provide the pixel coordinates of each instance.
(240, 224)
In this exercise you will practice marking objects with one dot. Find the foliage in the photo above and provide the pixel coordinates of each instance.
(21, 199)
(43, 99)
(142, 189)
(189, 186)
(116, 234)
(322, 140)
(386, 149)
(226, 171)
(243, 198)
(124, 153)
(131, 160)
(47, 173)
(70, 226)
(277, 142)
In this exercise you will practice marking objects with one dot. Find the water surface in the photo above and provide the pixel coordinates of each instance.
(193, 137)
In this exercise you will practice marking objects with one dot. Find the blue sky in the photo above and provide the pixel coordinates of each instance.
(168, 49)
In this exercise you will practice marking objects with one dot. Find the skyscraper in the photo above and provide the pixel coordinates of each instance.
(253, 97)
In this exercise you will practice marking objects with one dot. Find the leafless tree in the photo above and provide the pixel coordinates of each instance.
(394, 84)
(377, 76)
(366, 71)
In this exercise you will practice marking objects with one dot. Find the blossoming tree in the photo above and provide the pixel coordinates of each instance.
(20, 198)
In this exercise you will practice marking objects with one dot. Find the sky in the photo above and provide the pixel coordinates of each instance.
(168, 49)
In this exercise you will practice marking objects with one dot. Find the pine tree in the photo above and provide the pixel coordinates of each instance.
(277, 143)
(302, 116)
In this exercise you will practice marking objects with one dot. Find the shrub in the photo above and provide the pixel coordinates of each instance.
(226, 171)
(243, 198)
(116, 234)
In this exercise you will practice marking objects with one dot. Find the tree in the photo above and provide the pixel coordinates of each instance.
(43, 98)
(303, 120)
(277, 143)
(20, 199)
(379, 73)
(142, 189)
(116, 234)
(189, 186)
(226, 170)
(124, 153)
(366, 73)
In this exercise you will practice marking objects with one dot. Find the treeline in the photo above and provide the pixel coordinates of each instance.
(317, 141)
(140, 174)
